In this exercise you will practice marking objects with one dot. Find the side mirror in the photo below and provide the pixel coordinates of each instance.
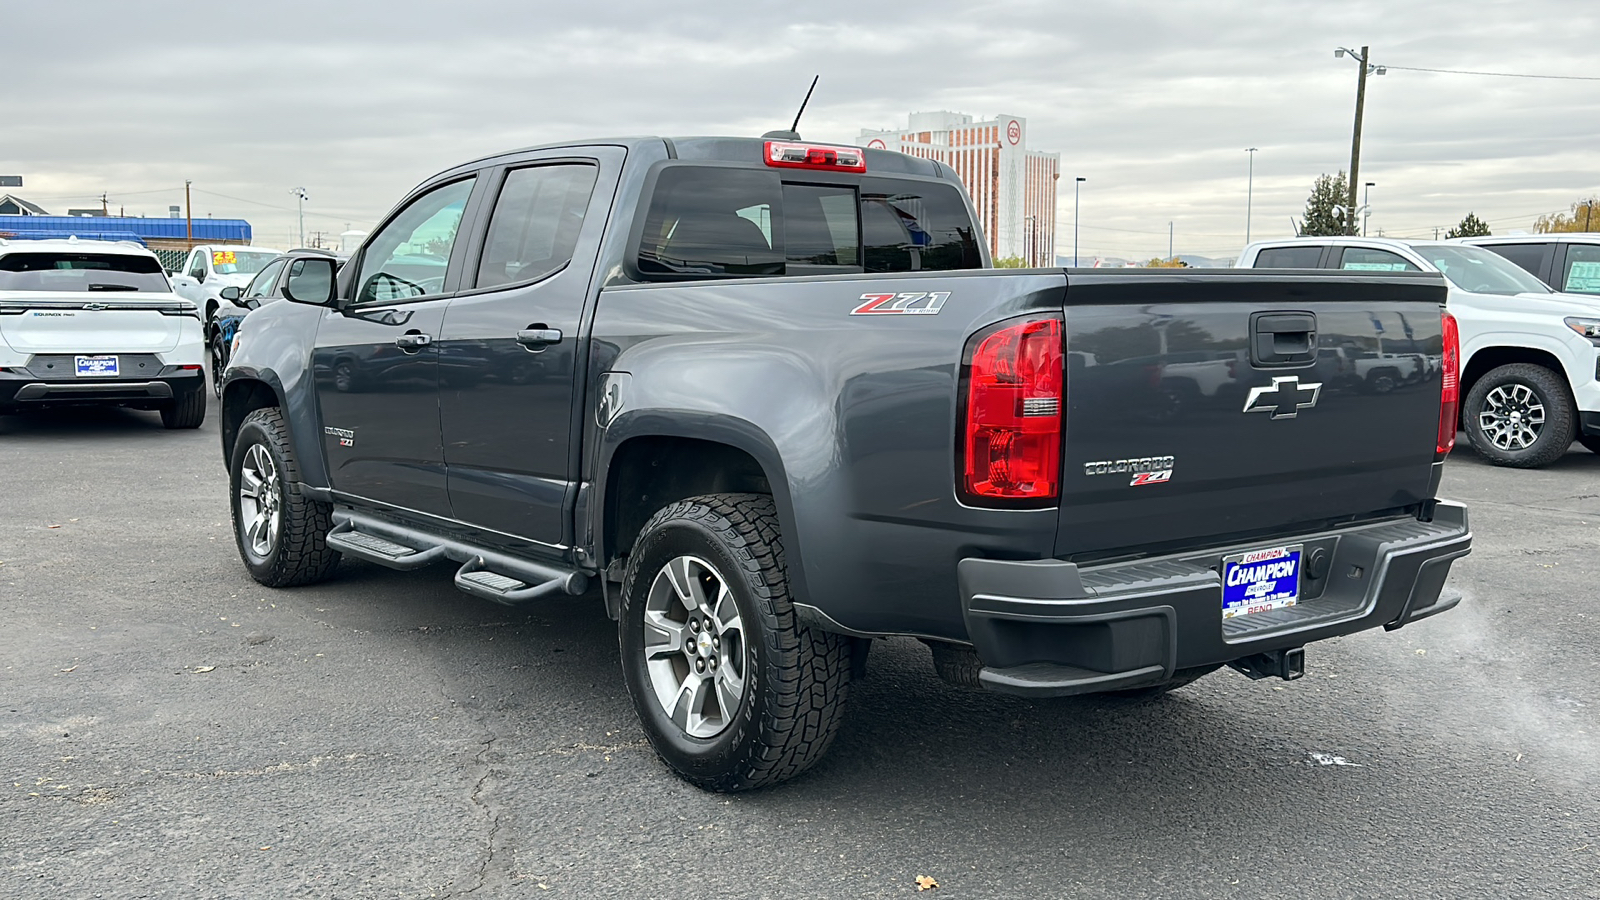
(200, 276)
(311, 281)
(231, 293)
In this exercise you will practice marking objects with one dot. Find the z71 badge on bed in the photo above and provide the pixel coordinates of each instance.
(1260, 580)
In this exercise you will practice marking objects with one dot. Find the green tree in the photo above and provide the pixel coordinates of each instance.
(1321, 219)
(1471, 226)
(1585, 217)
(1010, 262)
(1159, 263)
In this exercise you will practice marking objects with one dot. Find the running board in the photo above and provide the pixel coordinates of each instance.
(484, 573)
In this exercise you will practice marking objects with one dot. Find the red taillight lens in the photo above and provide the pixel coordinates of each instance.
(1011, 442)
(1450, 385)
(816, 156)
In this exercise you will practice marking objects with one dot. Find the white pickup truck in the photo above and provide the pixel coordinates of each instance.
(212, 267)
(95, 322)
(1530, 369)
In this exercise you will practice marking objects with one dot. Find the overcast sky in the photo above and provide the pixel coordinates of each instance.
(1153, 102)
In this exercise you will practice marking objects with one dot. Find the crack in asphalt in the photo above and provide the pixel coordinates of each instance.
(490, 812)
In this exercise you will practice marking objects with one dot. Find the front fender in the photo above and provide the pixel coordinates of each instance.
(275, 353)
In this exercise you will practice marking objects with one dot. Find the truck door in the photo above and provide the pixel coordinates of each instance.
(375, 361)
(511, 348)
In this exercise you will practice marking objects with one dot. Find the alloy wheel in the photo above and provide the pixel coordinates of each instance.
(1512, 417)
(694, 647)
(260, 500)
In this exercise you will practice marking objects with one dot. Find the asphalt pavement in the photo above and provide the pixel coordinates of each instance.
(169, 728)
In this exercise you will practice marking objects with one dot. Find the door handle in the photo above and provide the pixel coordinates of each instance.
(413, 340)
(538, 338)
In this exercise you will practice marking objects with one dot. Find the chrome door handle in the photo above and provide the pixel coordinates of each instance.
(539, 338)
(415, 341)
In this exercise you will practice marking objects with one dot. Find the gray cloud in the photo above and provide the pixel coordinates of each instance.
(1152, 101)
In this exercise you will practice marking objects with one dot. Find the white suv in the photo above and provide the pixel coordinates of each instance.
(212, 267)
(96, 322)
(1529, 374)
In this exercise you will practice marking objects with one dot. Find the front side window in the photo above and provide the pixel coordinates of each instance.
(535, 224)
(1302, 257)
(1364, 259)
(197, 265)
(1582, 269)
(915, 227)
(409, 257)
(261, 285)
(1479, 271)
(81, 272)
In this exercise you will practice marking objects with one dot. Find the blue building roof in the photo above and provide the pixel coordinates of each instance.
(122, 228)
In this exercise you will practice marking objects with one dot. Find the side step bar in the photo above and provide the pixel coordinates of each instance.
(484, 573)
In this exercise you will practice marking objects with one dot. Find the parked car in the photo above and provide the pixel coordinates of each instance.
(96, 322)
(783, 407)
(234, 303)
(1564, 262)
(1528, 354)
(212, 267)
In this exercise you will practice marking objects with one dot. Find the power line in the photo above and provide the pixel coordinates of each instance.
(1496, 74)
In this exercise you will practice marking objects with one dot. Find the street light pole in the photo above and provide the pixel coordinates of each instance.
(1366, 206)
(1075, 183)
(1249, 193)
(1364, 59)
(300, 201)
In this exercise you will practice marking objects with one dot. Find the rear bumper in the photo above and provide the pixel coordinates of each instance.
(23, 390)
(1049, 628)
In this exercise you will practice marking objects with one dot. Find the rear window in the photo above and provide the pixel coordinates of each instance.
(721, 221)
(1582, 274)
(81, 273)
(1289, 258)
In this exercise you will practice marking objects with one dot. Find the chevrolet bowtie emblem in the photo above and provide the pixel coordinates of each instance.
(1284, 399)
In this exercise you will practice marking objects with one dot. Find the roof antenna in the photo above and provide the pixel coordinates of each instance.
(792, 134)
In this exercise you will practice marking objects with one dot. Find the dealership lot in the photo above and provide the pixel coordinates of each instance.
(171, 728)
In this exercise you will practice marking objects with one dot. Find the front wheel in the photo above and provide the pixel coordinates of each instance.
(733, 691)
(219, 361)
(282, 535)
(1520, 415)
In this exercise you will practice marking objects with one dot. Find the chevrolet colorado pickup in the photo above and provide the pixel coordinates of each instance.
(766, 400)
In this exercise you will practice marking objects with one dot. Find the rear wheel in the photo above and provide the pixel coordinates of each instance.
(219, 361)
(187, 410)
(1520, 415)
(733, 692)
(282, 535)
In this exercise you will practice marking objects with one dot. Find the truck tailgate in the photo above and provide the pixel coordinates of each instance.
(91, 323)
(1217, 406)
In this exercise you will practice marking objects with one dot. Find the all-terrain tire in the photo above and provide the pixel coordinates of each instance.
(1179, 678)
(796, 679)
(1550, 390)
(186, 410)
(299, 552)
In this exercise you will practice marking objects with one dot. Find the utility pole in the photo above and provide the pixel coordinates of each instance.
(1366, 206)
(1169, 242)
(300, 201)
(1249, 193)
(105, 204)
(1364, 61)
(188, 217)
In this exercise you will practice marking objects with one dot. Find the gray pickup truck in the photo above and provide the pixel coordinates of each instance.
(766, 400)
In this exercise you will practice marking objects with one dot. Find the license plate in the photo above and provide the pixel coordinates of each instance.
(96, 366)
(1260, 580)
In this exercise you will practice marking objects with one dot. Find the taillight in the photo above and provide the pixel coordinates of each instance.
(1449, 385)
(1010, 446)
(786, 154)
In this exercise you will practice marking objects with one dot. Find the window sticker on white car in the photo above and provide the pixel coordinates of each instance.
(1584, 278)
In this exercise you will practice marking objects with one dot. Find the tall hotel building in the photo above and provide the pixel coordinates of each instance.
(1013, 188)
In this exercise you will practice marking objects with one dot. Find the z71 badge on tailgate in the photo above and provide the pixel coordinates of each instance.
(914, 303)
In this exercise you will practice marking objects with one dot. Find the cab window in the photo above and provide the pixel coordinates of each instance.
(197, 265)
(409, 257)
(1366, 259)
(1301, 257)
(1581, 273)
(261, 285)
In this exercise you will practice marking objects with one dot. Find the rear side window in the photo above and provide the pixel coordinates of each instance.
(1582, 275)
(1289, 258)
(1362, 259)
(535, 224)
(81, 272)
(1529, 257)
(708, 222)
